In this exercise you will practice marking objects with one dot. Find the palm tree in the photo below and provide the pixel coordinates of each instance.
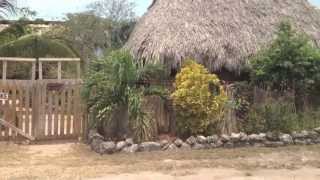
(6, 6)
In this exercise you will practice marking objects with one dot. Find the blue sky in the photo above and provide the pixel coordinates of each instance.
(56, 9)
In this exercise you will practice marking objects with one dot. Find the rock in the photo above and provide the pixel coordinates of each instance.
(172, 147)
(228, 145)
(317, 130)
(317, 140)
(225, 138)
(191, 140)
(244, 137)
(185, 146)
(131, 149)
(164, 143)
(212, 139)
(286, 139)
(178, 142)
(235, 137)
(257, 137)
(93, 134)
(271, 136)
(201, 140)
(310, 142)
(313, 135)
(108, 147)
(149, 146)
(198, 146)
(274, 144)
(95, 145)
(120, 145)
(129, 141)
(300, 135)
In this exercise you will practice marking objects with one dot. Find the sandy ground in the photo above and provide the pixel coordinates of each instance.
(77, 162)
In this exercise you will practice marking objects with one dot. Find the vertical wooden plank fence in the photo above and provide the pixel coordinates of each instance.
(41, 109)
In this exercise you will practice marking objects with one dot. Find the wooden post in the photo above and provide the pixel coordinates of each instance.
(79, 70)
(40, 71)
(4, 70)
(59, 70)
(33, 75)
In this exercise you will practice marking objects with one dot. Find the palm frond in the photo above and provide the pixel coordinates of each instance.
(7, 7)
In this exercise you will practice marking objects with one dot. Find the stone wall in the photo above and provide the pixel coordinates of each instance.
(234, 140)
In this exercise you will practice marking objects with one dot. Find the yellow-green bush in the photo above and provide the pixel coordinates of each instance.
(198, 99)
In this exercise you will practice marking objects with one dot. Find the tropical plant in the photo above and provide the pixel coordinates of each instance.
(290, 62)
(115, 82)
(6, 6)
(198, 99)
(13, 32)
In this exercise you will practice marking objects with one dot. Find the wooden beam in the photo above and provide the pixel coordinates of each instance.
(15, 59)
(78, 70)
(59, 71)
(59, 59)
(40, 71)
(14, 128)
(33, 75)
(4, 70)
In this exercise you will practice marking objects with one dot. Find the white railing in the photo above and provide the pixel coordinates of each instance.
(59, 61)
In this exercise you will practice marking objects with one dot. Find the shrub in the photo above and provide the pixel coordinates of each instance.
(279, 116)
(198, 99)
(290, 62)
(113, 89)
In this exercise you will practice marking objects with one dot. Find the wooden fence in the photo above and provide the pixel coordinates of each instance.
(42, 109)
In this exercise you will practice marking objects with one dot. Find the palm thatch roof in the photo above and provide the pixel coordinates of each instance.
(217, 33)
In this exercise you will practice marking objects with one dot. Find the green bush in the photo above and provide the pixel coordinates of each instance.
(277, 116)
(292, 62)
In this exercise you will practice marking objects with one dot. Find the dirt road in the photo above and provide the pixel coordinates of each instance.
(77, 162)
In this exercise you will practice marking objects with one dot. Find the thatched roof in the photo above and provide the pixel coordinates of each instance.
(217, 33)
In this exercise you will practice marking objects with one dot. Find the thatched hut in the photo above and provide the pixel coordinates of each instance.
(221, 34)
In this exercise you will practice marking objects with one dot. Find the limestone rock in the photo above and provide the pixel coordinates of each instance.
(164, 143)
(129, 141)
(150, 146)
(131, 149)
(108, 147)
(185, 146)
(120, 145)
(271, 136)
(286, 139)
(198, 146)
(191, 140)
(212, 139)
(201, 140)
(178, 142)
(225, 138)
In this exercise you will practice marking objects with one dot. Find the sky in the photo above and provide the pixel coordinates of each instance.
(56, 9)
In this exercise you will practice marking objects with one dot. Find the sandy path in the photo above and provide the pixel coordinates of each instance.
(77, 162)
(224, 174)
